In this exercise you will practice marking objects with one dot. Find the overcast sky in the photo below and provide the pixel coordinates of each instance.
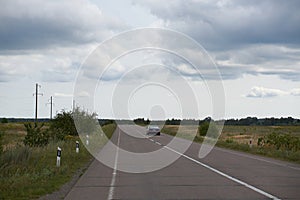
(254, 44)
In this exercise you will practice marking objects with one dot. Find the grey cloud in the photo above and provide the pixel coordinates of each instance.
(231, 24)
(40, 24)
(288, 75)
(261, 59)
(55, 76)
(244, 37)
(4, 77)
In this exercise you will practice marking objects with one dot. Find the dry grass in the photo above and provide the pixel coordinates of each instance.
(243, 134)
(239, 137)
(30, 172)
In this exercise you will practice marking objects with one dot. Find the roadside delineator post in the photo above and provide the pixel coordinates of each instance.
(77, 147)
(250, 143)
(58, 155)
(87, 140)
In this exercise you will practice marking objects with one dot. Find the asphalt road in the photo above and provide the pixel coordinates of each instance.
(223, 174)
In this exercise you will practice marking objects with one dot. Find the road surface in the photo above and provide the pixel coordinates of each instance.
(223, 174)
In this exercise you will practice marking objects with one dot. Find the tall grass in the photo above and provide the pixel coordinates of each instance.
(266, 150)
(30, 172)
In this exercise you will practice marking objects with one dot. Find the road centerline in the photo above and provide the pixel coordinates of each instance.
(113, 179)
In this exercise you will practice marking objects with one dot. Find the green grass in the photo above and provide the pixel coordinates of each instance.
(231, 139)
(27, 173)
(186, 132)
(261, 130)
(30, 172)
(291, 156)
(109, 129)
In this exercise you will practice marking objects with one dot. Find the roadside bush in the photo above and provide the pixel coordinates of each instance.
(36, 135)
(208, 129)
(85, 122)
(260, 141)
(63, 123)
(286, 142)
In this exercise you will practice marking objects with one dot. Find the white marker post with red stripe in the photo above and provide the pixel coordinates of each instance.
(77, 147)
(58, 155)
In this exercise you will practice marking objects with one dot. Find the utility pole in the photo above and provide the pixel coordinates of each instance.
(51, 105)
(36, 100)
(73, 105)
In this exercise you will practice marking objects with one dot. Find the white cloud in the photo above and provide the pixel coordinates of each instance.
(62, 95)
(295, 92)
(82, 94)
(261, 92)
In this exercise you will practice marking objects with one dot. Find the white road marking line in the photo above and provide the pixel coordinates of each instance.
(226, 176)
(158, 143)
(151, 140)
(113, 179)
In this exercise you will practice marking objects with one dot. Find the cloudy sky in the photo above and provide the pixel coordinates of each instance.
(255, 46)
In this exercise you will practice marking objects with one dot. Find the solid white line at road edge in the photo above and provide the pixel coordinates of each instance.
(225, 175)
(113, 179)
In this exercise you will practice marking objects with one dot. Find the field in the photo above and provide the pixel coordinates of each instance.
(240, 137)
(30, 172)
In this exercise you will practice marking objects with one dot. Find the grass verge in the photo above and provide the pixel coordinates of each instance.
(230, 139)
(30, 172)
(291, 156)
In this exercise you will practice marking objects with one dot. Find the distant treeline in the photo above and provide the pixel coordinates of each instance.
(249, 121)
(24, 120)
(264, 121)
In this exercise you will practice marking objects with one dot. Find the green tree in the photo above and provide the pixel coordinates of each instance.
(4, 120)
(36, 135)
(63, 124)
(86, 123)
